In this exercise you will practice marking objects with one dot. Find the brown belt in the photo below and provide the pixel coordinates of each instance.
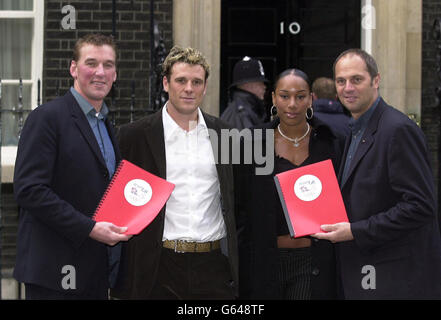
(189, 246)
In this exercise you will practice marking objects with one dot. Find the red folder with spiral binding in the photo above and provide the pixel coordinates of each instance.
(133, 198)
(310, 197)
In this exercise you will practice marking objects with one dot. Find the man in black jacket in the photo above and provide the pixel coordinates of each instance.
(390, 248)
(246, 105)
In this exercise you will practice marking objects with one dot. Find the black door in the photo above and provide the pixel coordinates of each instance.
(305, 34)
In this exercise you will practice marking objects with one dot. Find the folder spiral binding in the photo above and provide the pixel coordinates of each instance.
(133, 198)
(310, 197)
(112, 181)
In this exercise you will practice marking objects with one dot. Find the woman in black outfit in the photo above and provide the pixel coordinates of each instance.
(272, 264)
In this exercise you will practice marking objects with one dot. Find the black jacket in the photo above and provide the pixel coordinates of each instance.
(331, 112)
(391, 204)
(244, 110)
(60, 176)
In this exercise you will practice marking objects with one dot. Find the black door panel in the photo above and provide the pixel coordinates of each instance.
(306, 34)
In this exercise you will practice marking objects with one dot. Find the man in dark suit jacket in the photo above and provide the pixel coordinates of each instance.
(189, 251)
(390, 249)
(66, 156)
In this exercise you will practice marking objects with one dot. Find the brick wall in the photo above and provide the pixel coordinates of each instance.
(9, 222)
(132, 38)
(430, 110)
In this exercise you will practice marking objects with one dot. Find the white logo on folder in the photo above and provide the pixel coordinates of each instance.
(138, 192)
(308, 187)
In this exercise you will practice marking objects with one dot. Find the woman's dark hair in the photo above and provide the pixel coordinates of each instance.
(295, 72)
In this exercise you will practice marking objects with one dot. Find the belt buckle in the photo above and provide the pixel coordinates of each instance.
(176, 246)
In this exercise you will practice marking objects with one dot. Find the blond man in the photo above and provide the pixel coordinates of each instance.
(190, 250)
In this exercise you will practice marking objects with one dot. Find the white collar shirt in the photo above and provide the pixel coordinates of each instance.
(193, 211)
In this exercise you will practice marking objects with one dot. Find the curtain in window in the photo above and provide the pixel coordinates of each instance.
(16, 4)
(15, 63)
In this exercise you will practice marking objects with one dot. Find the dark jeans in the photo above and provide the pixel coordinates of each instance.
(193, 276)
(34, 292)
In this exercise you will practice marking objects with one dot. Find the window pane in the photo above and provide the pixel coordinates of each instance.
(15, 48)
(10, 120)
(17, 4)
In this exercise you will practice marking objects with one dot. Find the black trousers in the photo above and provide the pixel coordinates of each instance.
(34, 292)
(193, 276)
(294, 274)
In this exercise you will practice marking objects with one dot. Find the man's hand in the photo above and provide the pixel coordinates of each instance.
(335, 232)
(108, 233)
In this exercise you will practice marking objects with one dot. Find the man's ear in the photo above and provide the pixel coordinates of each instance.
(73, 69)
(205, 89)
(376, 81)
(165, 83)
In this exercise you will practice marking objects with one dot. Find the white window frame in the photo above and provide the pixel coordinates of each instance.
(9, 153)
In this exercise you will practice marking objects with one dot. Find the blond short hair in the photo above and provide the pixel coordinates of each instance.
(186, 55)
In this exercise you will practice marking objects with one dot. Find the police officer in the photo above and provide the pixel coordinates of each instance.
(247, 92)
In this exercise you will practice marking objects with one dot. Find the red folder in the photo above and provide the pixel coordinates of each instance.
(310, 197)
(133, 198)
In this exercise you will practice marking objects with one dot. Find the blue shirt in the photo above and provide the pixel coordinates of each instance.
(96, 122)
(358, 127)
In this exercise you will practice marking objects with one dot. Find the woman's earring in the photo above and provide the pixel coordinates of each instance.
(311, 113)
(273, 112)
